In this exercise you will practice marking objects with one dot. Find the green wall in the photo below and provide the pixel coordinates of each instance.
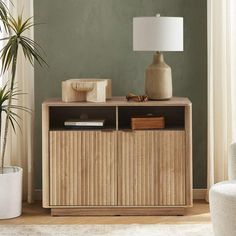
(93, 38)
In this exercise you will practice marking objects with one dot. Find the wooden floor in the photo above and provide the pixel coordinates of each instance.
(35, 214)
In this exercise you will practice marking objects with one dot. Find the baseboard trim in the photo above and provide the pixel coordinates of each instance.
(38, 194)
(198, 194)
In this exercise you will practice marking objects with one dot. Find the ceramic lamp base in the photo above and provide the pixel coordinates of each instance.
(158, 84)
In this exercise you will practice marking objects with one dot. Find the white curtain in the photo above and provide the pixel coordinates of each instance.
(20, 145)
(221, 86)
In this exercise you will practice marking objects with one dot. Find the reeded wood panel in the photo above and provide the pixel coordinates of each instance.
(83, 168)
(151, 168)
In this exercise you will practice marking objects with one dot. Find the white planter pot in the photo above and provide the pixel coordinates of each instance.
(11, 192)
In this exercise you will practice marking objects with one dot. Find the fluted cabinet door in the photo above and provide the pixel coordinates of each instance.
(83, 168)
(151, 168)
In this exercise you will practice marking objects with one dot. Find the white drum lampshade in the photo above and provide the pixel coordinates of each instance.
(158, 34)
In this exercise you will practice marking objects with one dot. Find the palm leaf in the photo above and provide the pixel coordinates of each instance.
(21, 108)
(31, 49)
(3, 14)
(5, 93)
(4, 97)
(9, 57)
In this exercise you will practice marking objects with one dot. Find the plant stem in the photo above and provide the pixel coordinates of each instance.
(14, 62)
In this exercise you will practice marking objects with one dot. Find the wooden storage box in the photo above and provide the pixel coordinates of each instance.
(147, 122)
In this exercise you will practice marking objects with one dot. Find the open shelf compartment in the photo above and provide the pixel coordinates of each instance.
(174, 116)
(58, 115)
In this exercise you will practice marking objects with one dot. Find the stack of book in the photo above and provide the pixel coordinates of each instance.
(84, 123)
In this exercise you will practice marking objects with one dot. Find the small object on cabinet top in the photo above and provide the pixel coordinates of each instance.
(137, 98)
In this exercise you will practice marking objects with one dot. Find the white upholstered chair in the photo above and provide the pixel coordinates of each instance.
(222, 198)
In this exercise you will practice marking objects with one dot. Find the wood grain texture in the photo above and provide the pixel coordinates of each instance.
(189, 172)
(83, 168)
(120, 101)
(151, 168)
(45, 154)
(144, 123)
(119, 211)
(119, 172)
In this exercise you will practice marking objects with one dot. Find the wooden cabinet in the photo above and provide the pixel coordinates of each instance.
(151, 168)
(83, 168)
(115, 170)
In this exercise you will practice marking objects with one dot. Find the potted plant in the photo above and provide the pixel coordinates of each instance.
(11, 177)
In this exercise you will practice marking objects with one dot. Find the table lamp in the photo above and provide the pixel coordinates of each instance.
(158, 34)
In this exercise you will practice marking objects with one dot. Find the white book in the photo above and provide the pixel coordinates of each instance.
(74, 122)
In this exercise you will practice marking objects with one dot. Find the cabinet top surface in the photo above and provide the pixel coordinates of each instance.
(121, 101)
